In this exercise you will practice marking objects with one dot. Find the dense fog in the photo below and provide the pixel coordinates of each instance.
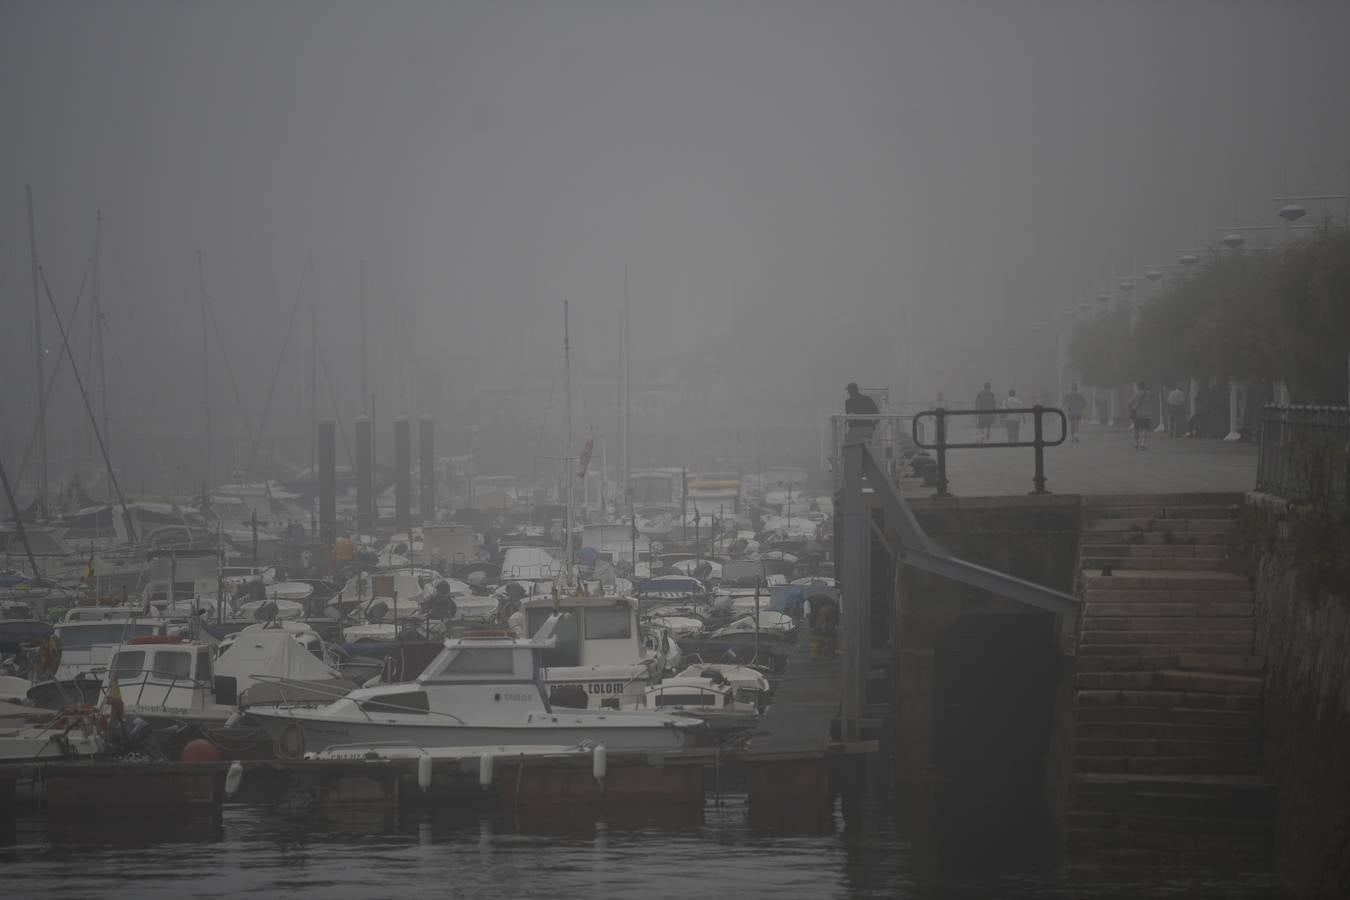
(800, 195)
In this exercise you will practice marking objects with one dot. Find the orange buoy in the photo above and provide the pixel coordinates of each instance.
(200, 750)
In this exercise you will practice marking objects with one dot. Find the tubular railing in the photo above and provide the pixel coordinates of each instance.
(887, 433)
(941, 444)
(1302, 452)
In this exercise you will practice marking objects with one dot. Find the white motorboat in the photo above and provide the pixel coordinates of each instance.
(704, 695)
(484, 688)
(65, 737)
(749, 683)
(87, 637)
(602, 651)
(169, 678)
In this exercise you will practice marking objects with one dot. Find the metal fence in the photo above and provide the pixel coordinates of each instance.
(1303, 452)
(888, 433)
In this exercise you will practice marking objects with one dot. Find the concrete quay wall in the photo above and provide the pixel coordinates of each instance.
(1303, 631)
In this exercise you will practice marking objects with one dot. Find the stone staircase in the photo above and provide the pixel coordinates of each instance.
(1167, 701)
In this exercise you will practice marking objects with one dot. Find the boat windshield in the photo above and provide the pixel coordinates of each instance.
(82, 637)
(568, 650)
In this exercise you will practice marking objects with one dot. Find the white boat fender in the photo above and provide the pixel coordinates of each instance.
(485, 771)
(424, 772)
(599, 763)
(233, 778)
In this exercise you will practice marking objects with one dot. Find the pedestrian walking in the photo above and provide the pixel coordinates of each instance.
(1075, 404)
(823, 621)
(1139, 418)
(1012, 422)
(1176, 411)
(985, 403)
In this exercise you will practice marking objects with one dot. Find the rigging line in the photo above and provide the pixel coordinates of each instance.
(51, 381)
(337, 414)
(93, 421)
(276, 372)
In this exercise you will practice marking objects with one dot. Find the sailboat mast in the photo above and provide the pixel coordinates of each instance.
(627, 398)
(206, 377)
(97, 313)
(37, 356)
(567, 456)
(313, 406)
(365, 389)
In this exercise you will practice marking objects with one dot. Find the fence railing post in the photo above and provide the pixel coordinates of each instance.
(1038, 438)
(940, 426)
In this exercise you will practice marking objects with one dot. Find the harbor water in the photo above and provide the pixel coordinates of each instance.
(718, 852)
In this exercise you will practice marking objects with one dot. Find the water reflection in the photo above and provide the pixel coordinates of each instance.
(718, 851)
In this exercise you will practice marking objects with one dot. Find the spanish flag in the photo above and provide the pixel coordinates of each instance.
(115, 705)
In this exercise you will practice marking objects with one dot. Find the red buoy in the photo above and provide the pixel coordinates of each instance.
(200, 750)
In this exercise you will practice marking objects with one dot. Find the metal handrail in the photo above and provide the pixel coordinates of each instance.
(942, 445)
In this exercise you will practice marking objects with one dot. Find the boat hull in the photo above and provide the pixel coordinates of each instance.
(297, 731)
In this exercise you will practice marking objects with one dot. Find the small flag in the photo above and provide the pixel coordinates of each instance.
(115, 705)
(586, 455)
(89, 570)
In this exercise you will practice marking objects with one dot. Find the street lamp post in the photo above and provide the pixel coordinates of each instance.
(1104, 303)
(1084, 308)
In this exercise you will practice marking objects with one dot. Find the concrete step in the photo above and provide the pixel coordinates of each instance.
(1165, 765)
(1165, 731)
(1155, 524)
(1171, 680)
(1231, 664)
(1175, 715)
(1152, 747)
(1166, 581)
(1094, 609)
(1163, 636)
(1112, 594)
(1094, 651)
(1190, 538)
(1166, 698)
(1104, 501)
(1160, 513)
(1155, 564)
(1166, 623)
(1156, 551)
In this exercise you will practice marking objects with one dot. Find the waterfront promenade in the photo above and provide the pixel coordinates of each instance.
(1105, 462)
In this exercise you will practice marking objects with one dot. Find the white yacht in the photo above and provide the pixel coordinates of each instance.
(482, 689)
(602, 650)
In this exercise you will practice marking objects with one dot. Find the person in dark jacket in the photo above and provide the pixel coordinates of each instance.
(858, 403)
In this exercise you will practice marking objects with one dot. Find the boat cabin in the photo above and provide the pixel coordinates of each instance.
(164, 672)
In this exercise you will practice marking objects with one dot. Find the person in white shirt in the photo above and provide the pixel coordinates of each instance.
(1012, 422)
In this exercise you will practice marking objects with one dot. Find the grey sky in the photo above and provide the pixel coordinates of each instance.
(789, 183)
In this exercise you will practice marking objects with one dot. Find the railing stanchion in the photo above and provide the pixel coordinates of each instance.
(1039, 441)
(940, 416)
